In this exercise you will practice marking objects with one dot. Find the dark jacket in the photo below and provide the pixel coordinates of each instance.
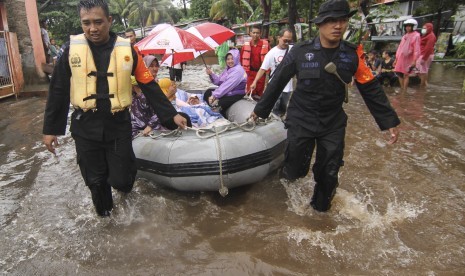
(99, 125)
(316, 104)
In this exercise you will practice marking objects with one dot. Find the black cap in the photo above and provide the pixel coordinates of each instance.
(333, 9)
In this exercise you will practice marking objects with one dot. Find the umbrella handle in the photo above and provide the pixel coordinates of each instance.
(172, 59)
(204, 61)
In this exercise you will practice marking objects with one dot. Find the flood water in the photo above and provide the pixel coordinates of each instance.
(399, 209)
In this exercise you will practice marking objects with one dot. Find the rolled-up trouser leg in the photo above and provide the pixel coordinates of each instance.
(92, 163)
(121, 164)
(328, 160)
(298, 154)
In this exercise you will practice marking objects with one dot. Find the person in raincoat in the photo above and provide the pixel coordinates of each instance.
(231, 84)
(407, 53)
(427, 42)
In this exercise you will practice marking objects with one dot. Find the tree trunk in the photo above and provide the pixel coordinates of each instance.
(438, 25)
(266, 6)
(310, 17)
(292, 17)
(185, 8)
(44, 5)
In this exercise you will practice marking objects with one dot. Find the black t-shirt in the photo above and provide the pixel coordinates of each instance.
(387, 65)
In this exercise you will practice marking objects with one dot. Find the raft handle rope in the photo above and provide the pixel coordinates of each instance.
(176, 132)
(214, 130)
(223, 189)
(231, 126)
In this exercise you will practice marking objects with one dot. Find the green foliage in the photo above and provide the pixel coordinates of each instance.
(234, 10)
(62, 20)
(200, 8)
(433, 6)
(459, 50)
(149, 12)
(385, 11)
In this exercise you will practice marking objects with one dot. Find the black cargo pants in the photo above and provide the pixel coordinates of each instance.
(106, 164)
(328, 160)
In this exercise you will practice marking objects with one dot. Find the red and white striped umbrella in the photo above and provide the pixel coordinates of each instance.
(159, 27)
(171, 40)
(213, 34)
(167, 59)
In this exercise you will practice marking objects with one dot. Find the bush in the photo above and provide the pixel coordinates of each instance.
(459, 50)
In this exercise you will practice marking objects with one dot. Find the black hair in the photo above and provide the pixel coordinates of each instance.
(90, 4)
(130, 30)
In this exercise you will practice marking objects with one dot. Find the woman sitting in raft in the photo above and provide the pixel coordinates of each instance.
(199, 113)
(231, 84)
(143, 118)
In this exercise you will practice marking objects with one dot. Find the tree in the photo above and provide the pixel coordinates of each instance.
(200, 8)
(120, 10)
(231, 9)
(437, 7)
(62, 19)
(266, 7)
(292, 17)
(183, 5)
(148, 12)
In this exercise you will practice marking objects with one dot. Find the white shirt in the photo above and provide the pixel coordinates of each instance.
(272, 59)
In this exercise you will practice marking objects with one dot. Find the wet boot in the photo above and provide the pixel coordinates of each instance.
(322, 197)
(282, 174)
(102, 199)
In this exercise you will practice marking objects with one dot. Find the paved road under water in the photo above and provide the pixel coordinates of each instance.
(398, 210)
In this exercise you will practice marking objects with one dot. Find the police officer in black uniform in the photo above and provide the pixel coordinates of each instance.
(315, 116)
(103, 138)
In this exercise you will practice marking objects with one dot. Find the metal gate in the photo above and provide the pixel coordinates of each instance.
(6, 77)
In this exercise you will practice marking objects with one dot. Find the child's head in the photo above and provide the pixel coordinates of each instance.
(193, 100)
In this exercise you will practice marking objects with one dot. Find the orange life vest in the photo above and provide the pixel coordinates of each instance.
(247, 51)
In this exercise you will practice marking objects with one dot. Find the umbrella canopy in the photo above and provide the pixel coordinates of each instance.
(167, 59)
(171, 40)
(159, 27)
(212, 33)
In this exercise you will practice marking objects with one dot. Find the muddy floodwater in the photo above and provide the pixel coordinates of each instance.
(399, 209)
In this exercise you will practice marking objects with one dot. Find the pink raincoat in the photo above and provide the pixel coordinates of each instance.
(407, 52)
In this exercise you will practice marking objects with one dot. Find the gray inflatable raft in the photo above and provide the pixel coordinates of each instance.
(223, 157)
